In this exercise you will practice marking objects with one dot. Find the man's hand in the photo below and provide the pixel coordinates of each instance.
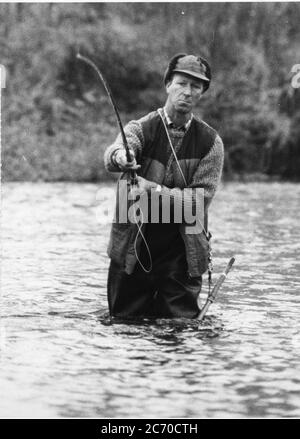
(142, 186)
(120, 158)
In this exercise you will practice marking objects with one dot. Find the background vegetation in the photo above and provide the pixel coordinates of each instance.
(56, 120)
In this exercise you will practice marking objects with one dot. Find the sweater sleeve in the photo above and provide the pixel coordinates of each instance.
(209, 171)
(134, 135)
(207, 176)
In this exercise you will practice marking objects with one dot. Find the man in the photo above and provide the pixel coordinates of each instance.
(157, 271)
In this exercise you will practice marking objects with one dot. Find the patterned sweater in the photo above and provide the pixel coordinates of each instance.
(199, 150)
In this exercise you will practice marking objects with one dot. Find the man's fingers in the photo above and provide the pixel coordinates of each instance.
(124, 157)
(124, 164)
(121, 157)
(134, 192)
(132, 157)
(133, 167)
(130, 166)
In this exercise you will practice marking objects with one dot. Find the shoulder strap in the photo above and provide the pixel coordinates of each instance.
(172, 148)
(207, 234)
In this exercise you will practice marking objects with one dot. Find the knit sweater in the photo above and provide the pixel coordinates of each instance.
(200, 155)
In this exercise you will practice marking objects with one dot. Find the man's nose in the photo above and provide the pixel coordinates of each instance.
(188, 90)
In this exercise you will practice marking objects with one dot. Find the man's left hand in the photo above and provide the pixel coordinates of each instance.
(142, 186)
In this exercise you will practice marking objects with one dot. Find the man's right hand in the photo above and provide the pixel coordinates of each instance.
(120, 158)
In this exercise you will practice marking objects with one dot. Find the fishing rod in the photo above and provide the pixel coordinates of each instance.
(133, 175)
(111, 98)
(211, 297)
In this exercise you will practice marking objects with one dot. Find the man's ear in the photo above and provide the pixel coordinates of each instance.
(168, 85)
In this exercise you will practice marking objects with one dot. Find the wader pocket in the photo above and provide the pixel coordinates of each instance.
(119, 242)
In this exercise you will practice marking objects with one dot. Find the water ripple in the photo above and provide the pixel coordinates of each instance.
(61, 355)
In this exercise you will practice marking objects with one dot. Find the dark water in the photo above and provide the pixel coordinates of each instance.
(61, 358)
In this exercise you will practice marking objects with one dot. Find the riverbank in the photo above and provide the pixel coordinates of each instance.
(74, 154)
(72, 165)
(57, 118)
(73, 150)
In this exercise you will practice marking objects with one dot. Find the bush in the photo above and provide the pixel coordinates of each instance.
(57, 119)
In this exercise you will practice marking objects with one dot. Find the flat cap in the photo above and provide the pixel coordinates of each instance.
(191, 65)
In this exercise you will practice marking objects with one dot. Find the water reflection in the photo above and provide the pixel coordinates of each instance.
(62, 356)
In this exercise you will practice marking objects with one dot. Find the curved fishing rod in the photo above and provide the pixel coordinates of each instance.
(211, 296)
(109, 93)
(125, 143)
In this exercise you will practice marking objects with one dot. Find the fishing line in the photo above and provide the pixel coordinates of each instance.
(140, 231)
(207, 234)
(124, 139)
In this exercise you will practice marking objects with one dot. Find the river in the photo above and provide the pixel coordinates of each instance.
(60, 357)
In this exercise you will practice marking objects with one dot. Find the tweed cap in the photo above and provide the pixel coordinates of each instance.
(191, 65)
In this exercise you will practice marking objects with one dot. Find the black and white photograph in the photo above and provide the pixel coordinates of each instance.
(150, 199)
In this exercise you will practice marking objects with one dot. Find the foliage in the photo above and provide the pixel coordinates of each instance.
(56, 117)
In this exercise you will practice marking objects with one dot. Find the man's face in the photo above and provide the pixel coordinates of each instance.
(184, 92)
